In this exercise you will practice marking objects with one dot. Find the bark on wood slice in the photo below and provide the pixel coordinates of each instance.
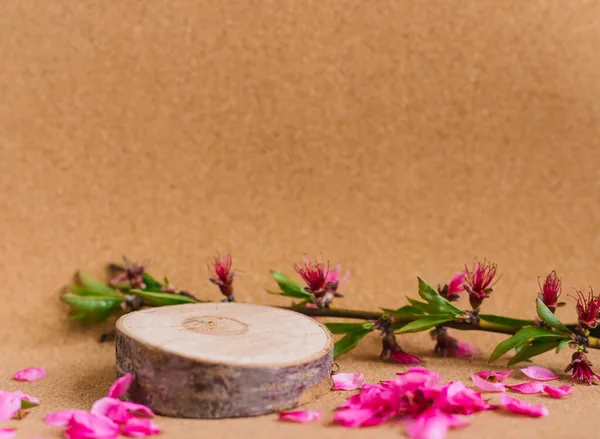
(223, 360)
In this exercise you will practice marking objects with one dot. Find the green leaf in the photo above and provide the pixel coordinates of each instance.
(426, 323)
(348, 342)
(422, 306)
(430, 294)
(522, 336)
(161, 299)
(152, 285)
(549, 318)
(92, 286)
(28, 404)
(535, 347)
(562, 345)
(405, 310)
(92, 309)
(304, 295)
(506, 321)
(344, 328)
(289, 287)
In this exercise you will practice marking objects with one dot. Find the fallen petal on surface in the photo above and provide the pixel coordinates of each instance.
(558, 392)
(494, 376)
(522, 407)
(348, 381)
(530, 388)
(539, 373)
(30, 374)
(7, 433)
(300, 416)
(487, 386)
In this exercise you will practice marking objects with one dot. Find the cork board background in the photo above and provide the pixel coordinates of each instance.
(399, 138)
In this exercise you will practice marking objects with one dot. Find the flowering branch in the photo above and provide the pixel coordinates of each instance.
(132, 288)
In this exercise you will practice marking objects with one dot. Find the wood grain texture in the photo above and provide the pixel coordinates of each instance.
(222, 360)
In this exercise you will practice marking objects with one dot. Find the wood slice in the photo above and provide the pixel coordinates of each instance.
(223, 360)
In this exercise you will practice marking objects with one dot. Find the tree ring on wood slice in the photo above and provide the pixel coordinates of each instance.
(223, 360)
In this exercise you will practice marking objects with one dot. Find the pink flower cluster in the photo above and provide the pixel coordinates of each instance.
(108, 417)
(427, 408)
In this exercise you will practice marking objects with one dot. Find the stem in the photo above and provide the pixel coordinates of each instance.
(594, 343)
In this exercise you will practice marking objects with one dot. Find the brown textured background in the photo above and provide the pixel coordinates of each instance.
(400, 138)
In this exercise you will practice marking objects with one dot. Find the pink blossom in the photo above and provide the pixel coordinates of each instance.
(531, 388)
(137, 427)
(314, 274)
(348, 381)
(7, 433)
(522, 407)
(582, 369)
(539, 373)
(120, 386)
(224, 275)
(587, 308)
(487, 386)
(558, 392)
(462, 349)
(30, 374)
(455, 287)
(333, 276)
(494, 377)
(10, 404)
(551, 290)
(479, 282)
(300, 416)
(84, 425)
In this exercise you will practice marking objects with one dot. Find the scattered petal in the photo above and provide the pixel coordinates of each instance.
(137, 427)
(458, 398)
(300, 416)
(10, 404)
(493, 376)
(120, 411)
(120, 386)
(558, 392)
(530, 388)
(30, 374)
(7, 433)
(431, 424)
(539, 373)
(359, 417)
(61, 418)
(523, 407)
(348, 381)
(84, 425)
(487, 386)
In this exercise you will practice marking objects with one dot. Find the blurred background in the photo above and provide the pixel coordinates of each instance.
(398, 138)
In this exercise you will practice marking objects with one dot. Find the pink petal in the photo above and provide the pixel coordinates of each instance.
(539, 373)
(348, 381)
(432, 424)
(136, 427)
(10, 404)
(494, 376)
(415, 377)
(530, 388)
(83, 425)
(522, 407)
(30, 374)
(61, 418)
(358, 417)
(120, 386)
(402, 357)
(457, 398)
(120, 411)
(300, 416)
(7, 433)
(487, 386)
(558, 392)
